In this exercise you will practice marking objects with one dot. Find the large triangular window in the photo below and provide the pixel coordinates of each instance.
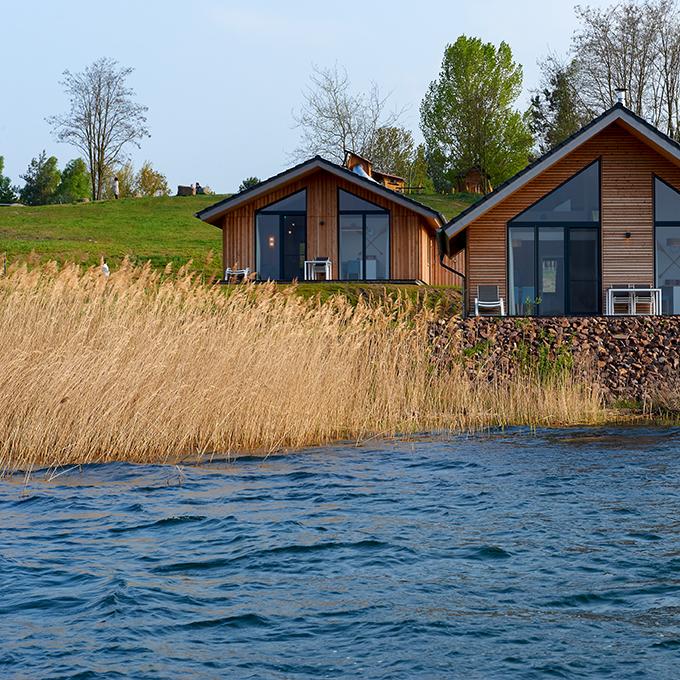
(351, 203)
(577, 200)
(667, 246)
(666, 202)
(553, 263)
(294, 203)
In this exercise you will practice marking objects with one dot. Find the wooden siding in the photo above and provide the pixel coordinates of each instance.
(627, 169)
(413, 249)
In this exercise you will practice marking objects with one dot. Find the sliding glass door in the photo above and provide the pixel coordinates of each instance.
(584, 280)
(522, 270)
(364, 239)
(667, 246)
(551, 272)
(281, 239)
(554, 270)
(554, 250)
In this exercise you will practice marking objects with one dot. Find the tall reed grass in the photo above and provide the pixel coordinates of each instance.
(147, 367)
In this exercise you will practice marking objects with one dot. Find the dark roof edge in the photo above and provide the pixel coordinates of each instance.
(333, 167)
(258, 186)
(618, 107)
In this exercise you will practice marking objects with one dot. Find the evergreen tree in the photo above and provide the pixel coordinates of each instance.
(248, 182)
(42, 180)
(8, 193)
(555, 112)
(75, 182)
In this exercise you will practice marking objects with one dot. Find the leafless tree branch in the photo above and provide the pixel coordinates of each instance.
(103, 118)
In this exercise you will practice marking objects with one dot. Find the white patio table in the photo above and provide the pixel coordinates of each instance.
(632, 292)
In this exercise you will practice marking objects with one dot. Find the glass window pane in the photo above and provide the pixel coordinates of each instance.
(667, 202)
(293, 203)
(522, 270)
(668, 268)
(377, 246)
(268, 261)
(551, 271)
(351, 247)
(351, 202)
(583, 271)
(294, 245)
(578, 200)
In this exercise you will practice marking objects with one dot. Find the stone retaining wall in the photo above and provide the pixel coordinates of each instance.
(632, 358)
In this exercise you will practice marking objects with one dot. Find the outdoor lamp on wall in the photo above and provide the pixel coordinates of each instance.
(271, 242)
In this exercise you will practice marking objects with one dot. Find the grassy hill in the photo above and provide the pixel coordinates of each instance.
(161, 230)
(448, 205)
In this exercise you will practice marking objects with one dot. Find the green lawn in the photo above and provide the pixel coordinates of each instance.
(161, 230)
(448, 205)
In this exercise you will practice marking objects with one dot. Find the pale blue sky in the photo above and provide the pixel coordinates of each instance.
(221, 77)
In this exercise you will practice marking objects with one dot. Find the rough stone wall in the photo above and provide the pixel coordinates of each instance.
(632, 358)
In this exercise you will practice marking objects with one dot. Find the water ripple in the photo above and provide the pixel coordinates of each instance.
(553, 554)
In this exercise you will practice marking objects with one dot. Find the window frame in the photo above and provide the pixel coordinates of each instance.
(566, 227)
(280, 214)
(660, 223)
(378, 211)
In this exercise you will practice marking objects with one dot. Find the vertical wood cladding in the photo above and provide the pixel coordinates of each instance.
(412, 243)
(627, 169)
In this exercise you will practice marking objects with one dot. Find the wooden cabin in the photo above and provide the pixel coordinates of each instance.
(359, 164)
(474, 181)
(320, 219)
(593, 221)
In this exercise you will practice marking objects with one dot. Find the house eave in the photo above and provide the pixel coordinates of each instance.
(218, 210)
(618, 113)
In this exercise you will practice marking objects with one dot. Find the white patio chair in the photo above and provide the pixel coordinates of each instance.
(319, 268)
(489, 299)
(644, 301)
(236, 274)
(622, 303)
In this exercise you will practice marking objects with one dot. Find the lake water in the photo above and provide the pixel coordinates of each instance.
(513, 555)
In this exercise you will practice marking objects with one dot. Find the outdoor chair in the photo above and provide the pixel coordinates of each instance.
(622, 303)
(489, 299)
(644, 301)
(319, 268)
(236, 275)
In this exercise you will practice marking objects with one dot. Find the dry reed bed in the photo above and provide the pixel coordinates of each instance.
(151, 368)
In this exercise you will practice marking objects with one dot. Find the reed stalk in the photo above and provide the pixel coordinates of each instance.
(145, 367)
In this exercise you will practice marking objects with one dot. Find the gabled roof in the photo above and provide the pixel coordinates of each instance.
(317, 163)
(349, 152)
(387, 174)
(617, 113)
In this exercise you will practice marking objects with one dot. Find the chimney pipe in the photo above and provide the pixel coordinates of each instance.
(620, 95)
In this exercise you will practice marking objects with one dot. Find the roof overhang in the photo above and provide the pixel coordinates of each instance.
(212, 213)
(618, 114)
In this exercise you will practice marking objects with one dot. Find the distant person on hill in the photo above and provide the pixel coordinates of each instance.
(116, 188)
(199, 188)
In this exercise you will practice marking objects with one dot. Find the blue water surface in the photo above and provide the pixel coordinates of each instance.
(513, 555)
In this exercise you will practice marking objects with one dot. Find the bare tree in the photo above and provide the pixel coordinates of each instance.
(103, 118)
(333, 118)
(669, 68)
(635, 45)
